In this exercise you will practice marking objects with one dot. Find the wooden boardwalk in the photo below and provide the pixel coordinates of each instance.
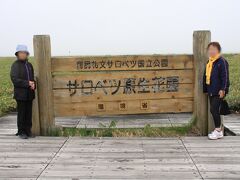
(232, 123)
(119, 158)
(116, 158)
(127, 121)
(8, 122)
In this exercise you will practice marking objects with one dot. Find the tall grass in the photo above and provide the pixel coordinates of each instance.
(233, 97)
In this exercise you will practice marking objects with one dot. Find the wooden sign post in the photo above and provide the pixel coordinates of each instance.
(42, 56)
(35, 113)
(200, 41)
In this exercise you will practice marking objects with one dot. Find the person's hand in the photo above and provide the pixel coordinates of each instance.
(221, 93)
(32, 85)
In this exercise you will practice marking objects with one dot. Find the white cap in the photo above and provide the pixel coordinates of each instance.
(22, 48)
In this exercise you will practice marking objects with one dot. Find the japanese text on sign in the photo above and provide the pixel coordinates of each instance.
(125, 86)
(107, 64)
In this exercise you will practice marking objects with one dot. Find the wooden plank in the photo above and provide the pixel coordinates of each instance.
(24, 160)
(120, 149)
(42, 55)
(63, 95)
(221, 175)
(133, 107)
(111, 79)
(120, 175)
(138, 62)
(19, 173)
(26, 154)
(122, 160)
(200, 42)
(117, 167)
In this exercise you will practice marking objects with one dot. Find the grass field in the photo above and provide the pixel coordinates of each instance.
(147, 131)
(8, 104)
(234, 92)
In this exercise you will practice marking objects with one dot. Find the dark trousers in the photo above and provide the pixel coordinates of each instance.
(215, 102)
(24, 117)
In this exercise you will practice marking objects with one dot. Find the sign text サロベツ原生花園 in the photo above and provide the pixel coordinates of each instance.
(126, 85)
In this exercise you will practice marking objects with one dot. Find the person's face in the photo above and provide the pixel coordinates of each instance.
(212, 51)
(22, 55)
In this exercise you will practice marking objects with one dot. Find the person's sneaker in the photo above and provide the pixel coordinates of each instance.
(23, 136)
(215, 135)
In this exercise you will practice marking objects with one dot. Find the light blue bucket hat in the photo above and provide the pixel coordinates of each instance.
(22, 48)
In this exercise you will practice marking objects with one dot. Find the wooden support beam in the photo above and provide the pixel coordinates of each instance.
(35, 115)
(42, 55)
(200, 42)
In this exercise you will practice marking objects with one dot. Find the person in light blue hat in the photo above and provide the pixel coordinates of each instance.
(22, 76)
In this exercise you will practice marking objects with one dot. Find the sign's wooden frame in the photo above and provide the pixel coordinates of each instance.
(100, 85)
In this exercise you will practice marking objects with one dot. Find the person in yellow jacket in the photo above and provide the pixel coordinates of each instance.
(216, 84)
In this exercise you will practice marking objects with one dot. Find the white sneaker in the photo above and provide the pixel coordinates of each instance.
(215, 135)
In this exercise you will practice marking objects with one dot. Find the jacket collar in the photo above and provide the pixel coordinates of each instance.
(22, 61)
(217, 60)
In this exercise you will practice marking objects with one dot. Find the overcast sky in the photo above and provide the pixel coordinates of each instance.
(109, 27)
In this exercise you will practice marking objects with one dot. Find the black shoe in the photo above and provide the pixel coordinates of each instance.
(30, 135)
(23, 136)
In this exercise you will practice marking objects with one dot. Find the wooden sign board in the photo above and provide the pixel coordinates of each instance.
(122, 84)
(101, 85)
(121, 63)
